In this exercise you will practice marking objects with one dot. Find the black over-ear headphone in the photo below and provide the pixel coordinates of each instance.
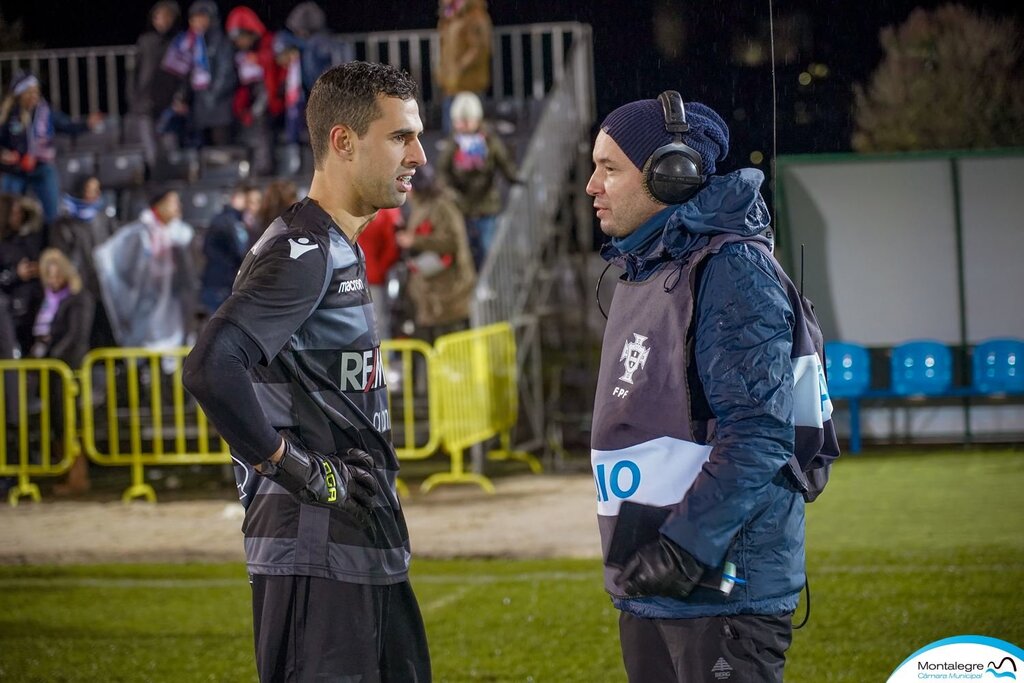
(674, 172)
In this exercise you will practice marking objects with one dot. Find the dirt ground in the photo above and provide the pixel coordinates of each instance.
(530, 516)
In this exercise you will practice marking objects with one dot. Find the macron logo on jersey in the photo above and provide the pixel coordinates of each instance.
(300, 246)
(350, 286)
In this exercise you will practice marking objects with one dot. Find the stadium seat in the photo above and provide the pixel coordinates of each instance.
(121, 168)
(106, 137)
(63, 143)
(132, 130)
(224, 164)
(199, 205)
(293, 160)
(177, 164)
(111, 203)
(998, 367)
(71, 166)
(848, 368)
(922, 368)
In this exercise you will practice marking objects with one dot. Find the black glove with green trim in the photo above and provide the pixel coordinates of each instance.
(334, 481)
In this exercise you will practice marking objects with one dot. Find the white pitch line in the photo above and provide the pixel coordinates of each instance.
(445, 600)
(479, 579)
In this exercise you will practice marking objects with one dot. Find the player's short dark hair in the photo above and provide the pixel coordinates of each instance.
(347, 95)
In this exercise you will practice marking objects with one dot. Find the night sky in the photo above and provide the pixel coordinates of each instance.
(843, 35)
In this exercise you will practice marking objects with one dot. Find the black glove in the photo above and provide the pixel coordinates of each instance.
(660, 568)
(336, 481)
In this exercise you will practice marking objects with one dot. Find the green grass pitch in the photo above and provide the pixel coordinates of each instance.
(903, 549)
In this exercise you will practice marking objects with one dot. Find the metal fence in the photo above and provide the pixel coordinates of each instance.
(476, 378)
(527, 61)
(134, 411)
(520, 262)
(37, 422)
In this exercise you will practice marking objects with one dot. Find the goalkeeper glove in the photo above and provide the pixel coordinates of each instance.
(335, 481)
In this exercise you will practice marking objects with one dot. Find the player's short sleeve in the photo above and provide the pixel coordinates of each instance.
(277, 289)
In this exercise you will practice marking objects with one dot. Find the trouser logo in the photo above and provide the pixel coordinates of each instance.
(721, 670)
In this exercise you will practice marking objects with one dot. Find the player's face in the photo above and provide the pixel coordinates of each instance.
(617, 187)
(387, 156)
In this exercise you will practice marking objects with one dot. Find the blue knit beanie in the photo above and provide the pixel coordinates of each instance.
(638, 128)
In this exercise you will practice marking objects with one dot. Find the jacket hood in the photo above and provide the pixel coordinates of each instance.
(730, 203)
(31, 216)
(306, 19)
(460, 7)
(244, 19)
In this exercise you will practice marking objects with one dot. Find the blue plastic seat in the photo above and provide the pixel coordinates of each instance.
(848, 368)
(998, 367)
(922, 368)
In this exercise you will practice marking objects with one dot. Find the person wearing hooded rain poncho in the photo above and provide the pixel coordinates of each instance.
(146, 278)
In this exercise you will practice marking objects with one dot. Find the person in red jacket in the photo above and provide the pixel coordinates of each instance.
(381, 250)
(258, 99)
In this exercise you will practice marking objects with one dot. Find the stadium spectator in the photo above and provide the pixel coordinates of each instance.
(292, 349)
(146, 279)
(21, 241)
(441, 272)
(27, 151)
(205, 60)
(277, 197)
(465, 31)
(229, 237)
(288, 53)
(64, 321)
(696, 394)
(319, 47)
(61, 332)
(258, 99)
(152, 89)
(469, 163)
(381, 250)
(82, 226)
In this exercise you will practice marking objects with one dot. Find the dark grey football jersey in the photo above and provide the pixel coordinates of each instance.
(301, 294)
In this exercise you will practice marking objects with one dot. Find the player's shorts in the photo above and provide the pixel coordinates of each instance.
(312, 629)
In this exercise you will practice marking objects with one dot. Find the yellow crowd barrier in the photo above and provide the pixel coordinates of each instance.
(135, 411)
(37, 422)
(128, 420)
(475, 374)
(413, 400)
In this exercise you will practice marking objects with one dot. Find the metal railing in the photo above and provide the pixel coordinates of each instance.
(127, 418)
(37, 422)
(519, 263)
(134, 410)
(526, 62)
(475, 372)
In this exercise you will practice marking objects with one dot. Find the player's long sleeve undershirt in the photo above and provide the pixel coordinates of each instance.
(216, 372)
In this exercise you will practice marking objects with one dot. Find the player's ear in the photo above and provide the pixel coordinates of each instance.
(342, 141)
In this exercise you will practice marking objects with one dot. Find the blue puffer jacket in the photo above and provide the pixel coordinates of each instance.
(740, 507)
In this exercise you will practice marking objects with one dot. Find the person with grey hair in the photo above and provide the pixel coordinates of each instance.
(710, 407)
(470, 161)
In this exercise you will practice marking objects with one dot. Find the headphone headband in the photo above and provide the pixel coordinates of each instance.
(674, 172)
(675, 113)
